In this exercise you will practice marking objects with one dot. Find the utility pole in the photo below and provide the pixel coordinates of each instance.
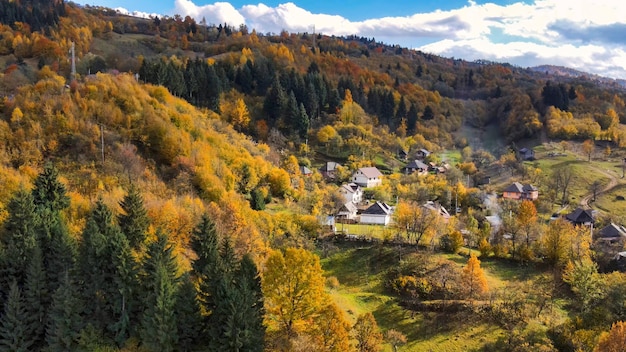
(102, 142)
(73, 51)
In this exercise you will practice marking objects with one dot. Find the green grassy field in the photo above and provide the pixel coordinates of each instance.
(360, 271)
(371, 231)
(584, 174)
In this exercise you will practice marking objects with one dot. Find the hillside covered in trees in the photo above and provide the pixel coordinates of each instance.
(158, 198)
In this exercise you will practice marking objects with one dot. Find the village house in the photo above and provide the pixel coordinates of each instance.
(415, 166)
(378, 213)
(403, 154)
(367, 177)
(305, 171)
(438, 208)
(352, 193)
(581, 216)
(347, 214)
(422, 154)
(329, 169)
(518, 191)
(526, 154)
(611, 234)
(439, 169)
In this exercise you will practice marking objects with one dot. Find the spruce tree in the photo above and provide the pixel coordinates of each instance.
(257, 200)
(49, 192)
(58, 248)
(188, 316)
(13, 326)
(225, 297)
(64, 319)
(245, 323)
(302, 122)
(124, 297)
(18, 239)
(158, 324)
(37, 299)
(205, 244)
(97, 267)
(134, 221)
(274, 101)
(160, 253)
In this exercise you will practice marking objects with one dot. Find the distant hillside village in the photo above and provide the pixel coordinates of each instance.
(357, 209)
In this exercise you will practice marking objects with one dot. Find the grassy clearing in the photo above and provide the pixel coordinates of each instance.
(584, 173)
(453, 157)
(609, 203)
(371, 231)
(361, 271)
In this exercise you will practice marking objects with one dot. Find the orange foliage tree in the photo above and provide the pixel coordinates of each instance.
(473, 278)
(614, 340)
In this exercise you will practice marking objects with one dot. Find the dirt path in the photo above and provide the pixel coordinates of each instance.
(613, 182)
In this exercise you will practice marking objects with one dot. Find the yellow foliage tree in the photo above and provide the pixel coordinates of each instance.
(473, 278)
(331, 330)
(416, 221)
(368, 336)
(293, 287)
(555, 242)
(588, 148)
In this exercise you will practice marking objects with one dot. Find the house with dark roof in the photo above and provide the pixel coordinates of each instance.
(422, 154)
(527, 154)
(519, 191)
(611, 233)
(378, 213)
(415, 166)
(351, 192)
(581, 216)
(329, 169)
(367, 177)
(403, 154)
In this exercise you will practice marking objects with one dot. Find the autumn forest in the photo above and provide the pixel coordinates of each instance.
(171, 190)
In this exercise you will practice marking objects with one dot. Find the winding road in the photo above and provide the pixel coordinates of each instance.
(613, 182)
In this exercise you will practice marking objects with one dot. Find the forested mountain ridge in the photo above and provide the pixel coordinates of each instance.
(390, 83)
(134, 193)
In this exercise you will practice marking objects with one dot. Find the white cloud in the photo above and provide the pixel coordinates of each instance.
(294, 19)
(135, 13)
(219, 12)
(573, 33)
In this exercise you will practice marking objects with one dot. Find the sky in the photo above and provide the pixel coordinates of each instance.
(586, 35)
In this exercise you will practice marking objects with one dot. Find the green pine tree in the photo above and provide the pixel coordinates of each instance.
(205, 244)
(97, 267)
(64, 319)
(188, 316)
(158, 324)
(18, 239)
(257, 201)
(160, 253)
(302, 122)
(58, 247)
(49, 192)
(37, 300)
(134, 221)
(243, 328)
(13, 326)
(124, 300)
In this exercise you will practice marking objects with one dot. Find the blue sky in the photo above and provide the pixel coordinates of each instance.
(356, 10)
(582, 34)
